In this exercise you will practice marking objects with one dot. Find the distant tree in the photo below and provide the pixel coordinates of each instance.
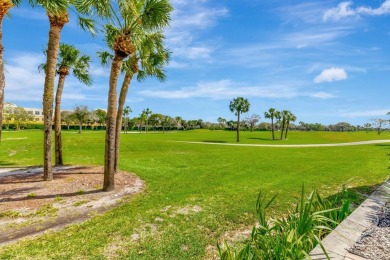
(66, 117)
(178, 121)
(147, 112)
(102, 117)
(367, 127)
(126, 112)
(252, 121)
(80, 115)
(221, 122)
(21, 116)
(166, 121)
(264, 126)
(92, 119)
(379, 124)
(239, 105)
(271, 113)
(284, 115)
(8, 113)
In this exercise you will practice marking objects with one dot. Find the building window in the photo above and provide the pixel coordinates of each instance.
(30, 112)
(37, 113)
(36, 119)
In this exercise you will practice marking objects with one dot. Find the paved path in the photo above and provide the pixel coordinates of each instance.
(293, 145)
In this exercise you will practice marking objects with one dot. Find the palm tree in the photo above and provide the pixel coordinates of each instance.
(57, 12)
(178, 121)
(139, 18)
(5, 5)
(271, 114)
(239, 105)
(126, 112)
(69, 59)
(147, 112)
(290, 118)
(284, 114)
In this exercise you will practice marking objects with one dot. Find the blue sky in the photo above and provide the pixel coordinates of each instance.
(326, 61)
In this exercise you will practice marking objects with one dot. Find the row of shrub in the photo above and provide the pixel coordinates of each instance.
(294, 235)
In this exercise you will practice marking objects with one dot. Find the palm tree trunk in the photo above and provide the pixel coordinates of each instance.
(238, 126)
(272, 128)
(5, 7)
(2, 77)
(56, 25)
(109, 161)
(57, 121)
(288, 124)
(282, 130)
(121, 104)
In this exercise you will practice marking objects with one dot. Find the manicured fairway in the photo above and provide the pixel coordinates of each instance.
(195, 193)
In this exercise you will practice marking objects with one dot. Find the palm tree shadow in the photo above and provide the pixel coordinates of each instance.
(51, 196)
(263, 139)
(3, 163)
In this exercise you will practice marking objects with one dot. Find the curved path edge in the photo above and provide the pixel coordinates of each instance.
(292, 145)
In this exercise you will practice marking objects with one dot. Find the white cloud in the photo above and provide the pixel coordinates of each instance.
(344, 10)
(190, 18)
(366, 113)
(383, 9)
(22, 80)
(322, 95)
(227, 89)
(341, 11)
(332, 74)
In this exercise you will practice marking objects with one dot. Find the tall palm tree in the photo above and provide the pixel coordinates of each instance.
(290, 118)
(271, 115)
(69, 60)
(126, 112)
(57, 12)
(239, 105)
(147, 61)
(284, 114)
(5, 5)
(132, 20)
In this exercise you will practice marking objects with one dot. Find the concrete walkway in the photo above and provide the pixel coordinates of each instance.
(293, 145)
(347, 233)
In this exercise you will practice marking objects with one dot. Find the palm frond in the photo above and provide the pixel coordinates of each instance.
(155, 14)
(105, 57)
(87, 24)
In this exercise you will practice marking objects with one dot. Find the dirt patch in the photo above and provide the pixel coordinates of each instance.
(188, 210)
(29, 205)
(232, 238)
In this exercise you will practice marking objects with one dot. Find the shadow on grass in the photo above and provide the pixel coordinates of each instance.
(51, 196)
(383, 145)
(4, 164)
(211, 141)
(25, 176)
(263, 139)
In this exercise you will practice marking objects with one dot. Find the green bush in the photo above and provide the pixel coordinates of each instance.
(292, 236)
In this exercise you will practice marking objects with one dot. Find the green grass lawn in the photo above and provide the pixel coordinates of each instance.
(221, 181)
